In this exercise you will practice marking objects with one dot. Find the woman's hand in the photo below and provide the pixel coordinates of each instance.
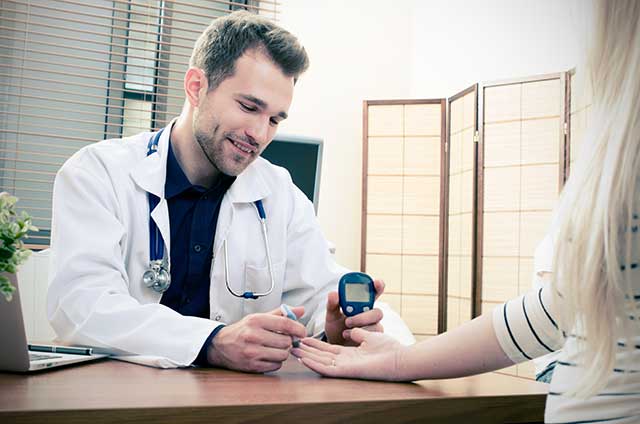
(377, 357)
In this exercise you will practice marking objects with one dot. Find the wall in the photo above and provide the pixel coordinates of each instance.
(374, 49)
(464, 42)
(358, 50)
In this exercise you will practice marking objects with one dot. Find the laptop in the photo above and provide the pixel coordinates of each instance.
(19, 356)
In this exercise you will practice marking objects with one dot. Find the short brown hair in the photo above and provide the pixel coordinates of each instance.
(229, 37)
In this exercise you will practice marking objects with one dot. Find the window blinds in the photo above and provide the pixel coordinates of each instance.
(75, 72)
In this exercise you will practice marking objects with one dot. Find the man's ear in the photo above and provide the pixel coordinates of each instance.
(195, 85)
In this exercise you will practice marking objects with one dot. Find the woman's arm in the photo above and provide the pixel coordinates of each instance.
(469, 349)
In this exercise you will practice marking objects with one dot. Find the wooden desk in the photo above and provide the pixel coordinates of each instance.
(111, 391)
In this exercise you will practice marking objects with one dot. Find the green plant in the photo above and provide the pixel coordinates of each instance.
(13, 228)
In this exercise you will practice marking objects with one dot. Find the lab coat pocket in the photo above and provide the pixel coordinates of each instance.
(258, 280)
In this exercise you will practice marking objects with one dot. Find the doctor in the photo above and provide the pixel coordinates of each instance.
(156, 238)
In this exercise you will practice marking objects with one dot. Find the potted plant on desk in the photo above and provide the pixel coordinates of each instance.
(13, 228)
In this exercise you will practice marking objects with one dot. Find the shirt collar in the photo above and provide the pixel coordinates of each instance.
(176, 181)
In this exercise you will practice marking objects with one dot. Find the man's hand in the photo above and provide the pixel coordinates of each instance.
(338, 327)
(256, 343)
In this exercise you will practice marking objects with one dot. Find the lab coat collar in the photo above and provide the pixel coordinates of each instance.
(250, 185)
(151, 173)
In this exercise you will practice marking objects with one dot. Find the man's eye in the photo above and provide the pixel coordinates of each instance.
(274, 122)
(247, 107)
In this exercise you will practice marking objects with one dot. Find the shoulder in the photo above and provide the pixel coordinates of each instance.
(113, 155)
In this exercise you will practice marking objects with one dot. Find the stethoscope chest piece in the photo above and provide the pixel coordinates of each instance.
(157, 277)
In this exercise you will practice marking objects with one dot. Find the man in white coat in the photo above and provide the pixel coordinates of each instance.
(197, 182)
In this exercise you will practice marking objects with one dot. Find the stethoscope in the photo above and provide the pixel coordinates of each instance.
(157, 276)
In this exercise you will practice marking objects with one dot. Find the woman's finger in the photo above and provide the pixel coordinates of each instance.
(320, 345)
(315, 351)
(321, 359)
(322, 369)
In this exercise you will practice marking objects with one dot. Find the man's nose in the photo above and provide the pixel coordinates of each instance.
(259, 130)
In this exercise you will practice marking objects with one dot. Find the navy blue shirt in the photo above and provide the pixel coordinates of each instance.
(193, 216)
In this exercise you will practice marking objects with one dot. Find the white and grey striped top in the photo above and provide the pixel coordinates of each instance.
(526, 328)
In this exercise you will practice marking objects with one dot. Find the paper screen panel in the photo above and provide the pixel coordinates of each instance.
(460, 229)
(384, 234)
(581, 100)
(384, 195)
(503, 149)
(387, 268)
(403, 207)
(420, 235)
(385, 120)
(422, 120)
(540, 141)
(420, 274)
(421, 156)
(393, 300)
(541, 99)
(539, 187)
(421, 195)
(421, 211)
(385, 156)
(521, 173)
(502, 189)
(420, 313)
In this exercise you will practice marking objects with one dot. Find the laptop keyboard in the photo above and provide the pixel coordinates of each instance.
(42, 356)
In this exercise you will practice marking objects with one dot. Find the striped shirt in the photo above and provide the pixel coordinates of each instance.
(527, 328)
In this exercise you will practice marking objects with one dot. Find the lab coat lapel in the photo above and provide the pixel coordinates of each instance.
(150, 175)
(248, 187)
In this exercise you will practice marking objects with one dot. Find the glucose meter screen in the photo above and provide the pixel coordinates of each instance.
(357, 292)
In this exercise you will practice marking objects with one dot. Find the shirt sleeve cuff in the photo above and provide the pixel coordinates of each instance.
(201, 359)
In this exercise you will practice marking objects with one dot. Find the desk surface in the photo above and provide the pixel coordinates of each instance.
(112, 391)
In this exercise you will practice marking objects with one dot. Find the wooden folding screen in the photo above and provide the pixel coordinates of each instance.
(403, 148)
(460, 205)
(579, 87)
(521, 173)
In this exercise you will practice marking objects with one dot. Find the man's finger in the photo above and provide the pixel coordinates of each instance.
(274, 340)
(378, 328)
(298, 310)
(279, 324)
(270, 354)
(364, 319)
(379, 285)
(333, 305)
(358, 335)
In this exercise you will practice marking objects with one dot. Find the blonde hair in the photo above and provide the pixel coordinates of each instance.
(596, 210)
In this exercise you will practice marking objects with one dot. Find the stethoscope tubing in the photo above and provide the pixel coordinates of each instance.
(156, 241)
(263, 224)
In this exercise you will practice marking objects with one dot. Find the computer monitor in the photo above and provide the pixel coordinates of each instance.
(302, 157)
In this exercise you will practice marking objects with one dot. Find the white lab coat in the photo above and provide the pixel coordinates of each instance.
(100, 249)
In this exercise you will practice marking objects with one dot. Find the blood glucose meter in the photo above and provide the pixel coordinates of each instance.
(356, 293)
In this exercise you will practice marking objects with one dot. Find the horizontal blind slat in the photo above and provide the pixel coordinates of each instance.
(89, 68)
(83, 31)
(109, 9)
(52, 90)
(78, 84)
(107, 133)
